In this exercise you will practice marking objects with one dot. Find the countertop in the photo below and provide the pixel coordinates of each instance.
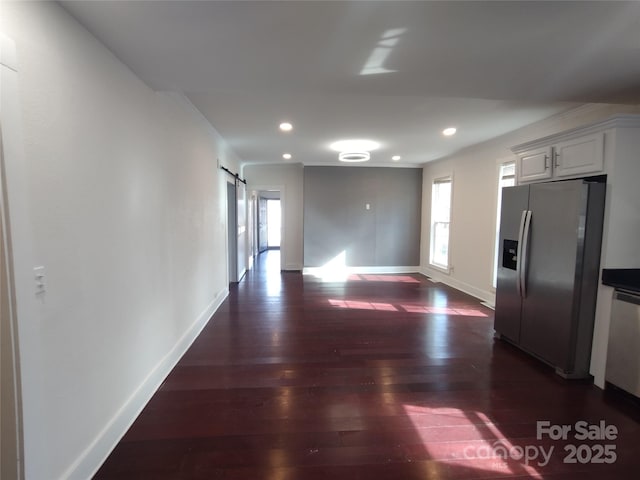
(622, 278)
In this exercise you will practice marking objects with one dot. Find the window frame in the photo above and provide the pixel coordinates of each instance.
(432, 224)
(502, 165)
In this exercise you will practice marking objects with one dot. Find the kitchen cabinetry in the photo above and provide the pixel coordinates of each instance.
(534, 165)
(623, 353)
(571, 156)
(623, 356)
(579, 156)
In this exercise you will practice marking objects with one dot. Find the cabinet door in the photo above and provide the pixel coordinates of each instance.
(534, 165)
(623, 369)
(579, 156)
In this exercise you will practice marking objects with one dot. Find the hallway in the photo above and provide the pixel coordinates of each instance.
(379, 377)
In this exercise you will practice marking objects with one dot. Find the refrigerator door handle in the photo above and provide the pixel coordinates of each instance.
(522, 261)
(523, 220)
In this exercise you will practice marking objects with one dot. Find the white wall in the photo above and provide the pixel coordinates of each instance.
(473, 204)
(474, 201)
(120, 200)
(289, 180)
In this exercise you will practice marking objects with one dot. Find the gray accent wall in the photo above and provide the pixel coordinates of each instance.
(336, 219)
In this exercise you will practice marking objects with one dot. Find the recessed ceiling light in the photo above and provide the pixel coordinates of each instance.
(359, 145)
(286, 127)
(447, 132)
(395, 158)
(286, 156)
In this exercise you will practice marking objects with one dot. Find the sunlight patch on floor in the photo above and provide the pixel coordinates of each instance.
(366, 305)
(467, 312)
(356, 305)
(486, 448)
(382, 278)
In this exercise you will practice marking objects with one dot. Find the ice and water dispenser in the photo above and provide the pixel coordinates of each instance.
(510, 254)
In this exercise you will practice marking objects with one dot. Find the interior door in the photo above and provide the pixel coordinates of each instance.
(241, 230)
(515, 200)
(252, 223)
(263, 234)
(232, 233)
(556, 211)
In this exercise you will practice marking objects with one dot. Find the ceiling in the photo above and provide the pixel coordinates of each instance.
(392, 71)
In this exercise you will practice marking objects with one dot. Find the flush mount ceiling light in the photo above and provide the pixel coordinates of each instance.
(286, 156)
(354, 150)
(447, 132)
(396, 158)
(286, 127)
(354, 156)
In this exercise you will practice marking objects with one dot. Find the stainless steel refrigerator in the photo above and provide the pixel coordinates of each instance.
(548, 271)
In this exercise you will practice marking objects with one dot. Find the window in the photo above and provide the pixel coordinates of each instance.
(506, 178)
(440, 215)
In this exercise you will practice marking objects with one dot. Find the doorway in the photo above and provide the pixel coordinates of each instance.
(274, 218)
(263, 235)
(269, 221)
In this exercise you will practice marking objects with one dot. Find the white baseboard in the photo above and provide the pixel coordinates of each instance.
(292, 267)
(492, 306)
(96, 453)
(484, 295)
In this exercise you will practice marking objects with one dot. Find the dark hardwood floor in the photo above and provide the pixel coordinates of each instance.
(379, 377)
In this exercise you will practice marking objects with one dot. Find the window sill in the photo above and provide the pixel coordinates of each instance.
(440, 268)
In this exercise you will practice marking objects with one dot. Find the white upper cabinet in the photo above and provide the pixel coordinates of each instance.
(534, 165)
(579, 156)
(572, 154)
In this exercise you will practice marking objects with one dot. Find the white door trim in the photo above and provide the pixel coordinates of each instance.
(11, 432)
